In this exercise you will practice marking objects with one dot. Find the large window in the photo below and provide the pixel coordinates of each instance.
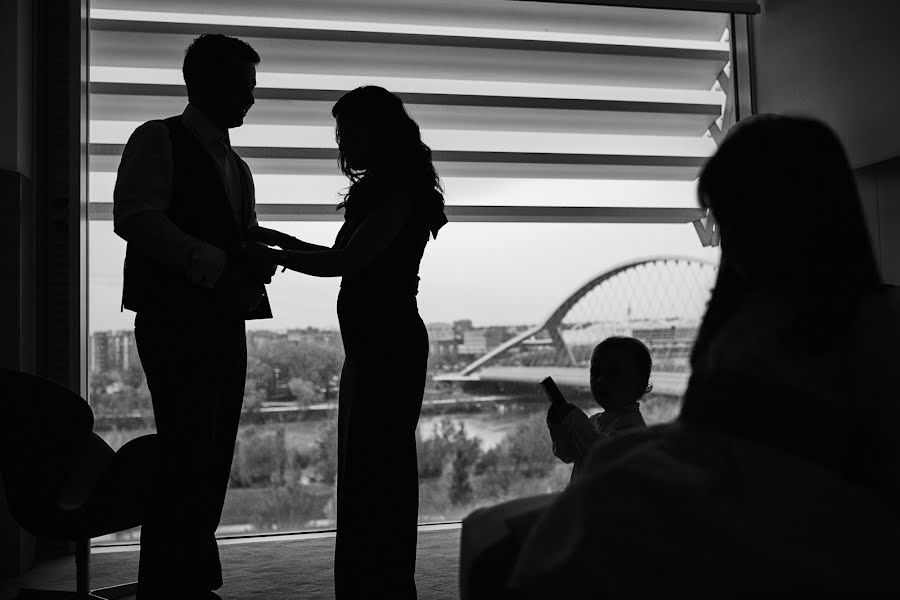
(568, 137)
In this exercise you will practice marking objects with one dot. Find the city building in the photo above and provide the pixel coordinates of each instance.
(479, 341)
(442, 339)
(315, 337)
(462, 325)
(260, 338)
(113, 351)
(100, 362)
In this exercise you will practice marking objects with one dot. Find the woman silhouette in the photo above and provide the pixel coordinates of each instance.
(394, 202)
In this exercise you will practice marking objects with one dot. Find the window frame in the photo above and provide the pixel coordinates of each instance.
(742, 80)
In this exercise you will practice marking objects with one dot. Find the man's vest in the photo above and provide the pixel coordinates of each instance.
(199, 208)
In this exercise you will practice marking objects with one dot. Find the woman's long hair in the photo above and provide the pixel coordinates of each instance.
(401, 156)
(785, 198)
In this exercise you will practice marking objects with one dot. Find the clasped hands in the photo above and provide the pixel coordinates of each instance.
(250, 266)
(257, 258)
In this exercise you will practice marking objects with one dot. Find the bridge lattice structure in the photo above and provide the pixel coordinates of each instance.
(659, 300)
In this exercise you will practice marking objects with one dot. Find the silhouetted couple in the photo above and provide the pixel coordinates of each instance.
(196, 267)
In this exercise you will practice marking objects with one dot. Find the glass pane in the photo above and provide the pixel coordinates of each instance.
(485, 286)
(482, 284)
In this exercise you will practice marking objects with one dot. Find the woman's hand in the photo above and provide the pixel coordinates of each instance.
(273, 237)
(286, 242)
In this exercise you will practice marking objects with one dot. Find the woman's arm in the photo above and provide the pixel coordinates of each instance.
(272, 237)
(373, 236)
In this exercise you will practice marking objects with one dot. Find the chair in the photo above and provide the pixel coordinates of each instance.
(61, 479)
(490, 543)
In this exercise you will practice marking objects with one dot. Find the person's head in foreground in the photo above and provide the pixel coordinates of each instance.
(220, 75)
(784, 196)
(620, 372)
(798, 343)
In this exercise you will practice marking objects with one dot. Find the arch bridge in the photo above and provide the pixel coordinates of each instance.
(659, 300)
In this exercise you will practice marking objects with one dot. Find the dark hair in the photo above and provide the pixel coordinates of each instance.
(212, 54)
(617, 353)
(402, 155)
(785, 198)
(782, 183)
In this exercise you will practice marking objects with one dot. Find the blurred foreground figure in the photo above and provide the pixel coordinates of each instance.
(780, 476)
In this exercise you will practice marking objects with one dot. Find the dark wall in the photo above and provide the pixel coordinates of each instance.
(43, 190)
(17, 290)
(17, 234)
(837, 60)
(879, 186)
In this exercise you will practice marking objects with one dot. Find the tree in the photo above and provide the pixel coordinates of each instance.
(260, 458)
(325, 454)
(528, 449)
(104, 404)
(133, 376)
(460, 485)
(254, 395)
(526, 452)
(304, 391)
(288, 507)
(315, 363)
(449, 441)
(100, 381)
(258, 370)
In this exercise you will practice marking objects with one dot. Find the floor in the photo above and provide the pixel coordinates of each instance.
(297, 566)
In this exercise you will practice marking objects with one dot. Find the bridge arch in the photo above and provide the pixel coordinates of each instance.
(553, 322)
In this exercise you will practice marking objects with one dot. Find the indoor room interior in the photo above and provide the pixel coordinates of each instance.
(569, 136)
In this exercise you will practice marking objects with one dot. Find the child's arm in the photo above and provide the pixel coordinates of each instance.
(564, 447)
(571, 433)
(583, 433)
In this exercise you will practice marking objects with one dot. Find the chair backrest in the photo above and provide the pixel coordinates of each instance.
(121, 499)
(43, 428)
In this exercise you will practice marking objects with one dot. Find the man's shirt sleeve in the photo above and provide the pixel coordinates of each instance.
(141, 200)
(251, 197)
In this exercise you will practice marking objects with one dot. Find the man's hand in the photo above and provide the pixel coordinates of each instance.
(244, 289)
(256, 258)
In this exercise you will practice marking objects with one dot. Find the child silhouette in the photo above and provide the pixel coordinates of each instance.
(620, 374)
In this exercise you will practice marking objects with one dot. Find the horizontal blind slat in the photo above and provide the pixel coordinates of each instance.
(494, 14)
(103, 211)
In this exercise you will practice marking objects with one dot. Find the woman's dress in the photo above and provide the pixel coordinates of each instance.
(381, 389)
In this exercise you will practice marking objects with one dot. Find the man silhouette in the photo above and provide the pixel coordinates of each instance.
(184, 202)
